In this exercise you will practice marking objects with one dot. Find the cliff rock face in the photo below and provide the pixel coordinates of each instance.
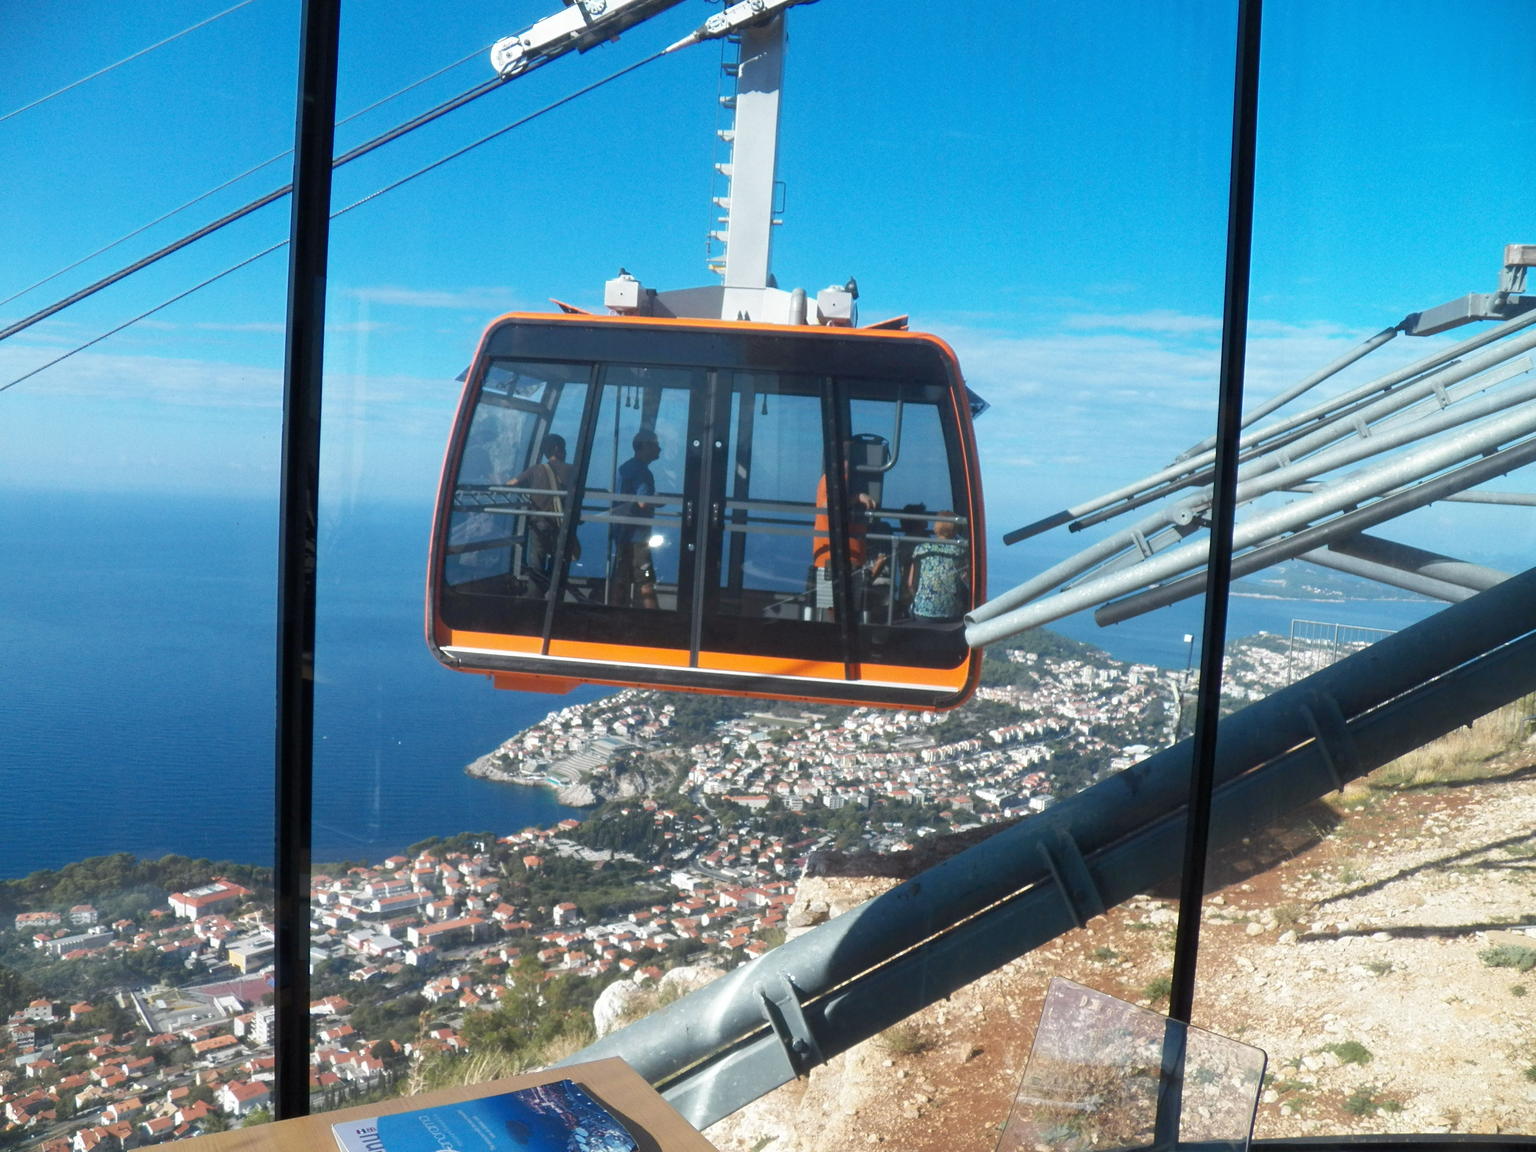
(590, 777)
(625, 1001)
(579, 795)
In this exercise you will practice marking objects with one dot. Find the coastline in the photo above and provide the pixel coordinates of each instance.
(522, 760)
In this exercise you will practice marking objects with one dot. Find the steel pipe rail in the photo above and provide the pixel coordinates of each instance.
(1508, 499)
(1194, 465)
(1332, 407)
(1388, 422)
(1477, 577)
(1481, 440)
(1340, 528)
(770, 1020)
(1360, 351)
(1389, 575)
(1265, 475)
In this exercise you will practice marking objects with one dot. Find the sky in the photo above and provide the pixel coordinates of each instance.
(1043, 184)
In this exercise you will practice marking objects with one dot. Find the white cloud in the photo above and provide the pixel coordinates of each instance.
(1158, 320)
(144, 379)
(478, 299)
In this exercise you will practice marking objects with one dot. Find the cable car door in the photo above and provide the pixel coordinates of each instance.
(822, 493)
(640, 462)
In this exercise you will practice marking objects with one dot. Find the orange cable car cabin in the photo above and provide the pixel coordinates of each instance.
(782, 511)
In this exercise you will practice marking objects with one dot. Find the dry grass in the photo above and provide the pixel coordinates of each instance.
(473, 1068)
(451, 1071)
(1465, 754)
(905, 1039)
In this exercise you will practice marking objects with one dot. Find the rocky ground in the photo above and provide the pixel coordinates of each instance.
(1353, 946)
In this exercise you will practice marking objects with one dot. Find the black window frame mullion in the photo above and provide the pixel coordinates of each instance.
(309, 238)
(575, 497)
(835, 434)
(1218, 574)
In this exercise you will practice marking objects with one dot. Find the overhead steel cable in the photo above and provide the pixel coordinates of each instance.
(240, 213)
(438, 163)
(105, 248)
(374, 195)
(146, 314)
(133, 56)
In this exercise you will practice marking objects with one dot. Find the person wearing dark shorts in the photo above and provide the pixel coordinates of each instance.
(634, 575)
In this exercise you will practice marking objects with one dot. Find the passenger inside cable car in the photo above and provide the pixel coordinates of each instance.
(689, 540)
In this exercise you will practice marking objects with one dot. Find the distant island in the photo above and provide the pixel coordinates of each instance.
(1299, 581)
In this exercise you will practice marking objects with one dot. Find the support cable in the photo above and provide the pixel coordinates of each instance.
(133, 56)
(260, 202)
(502, 131)
(374, 195)
(105, 248)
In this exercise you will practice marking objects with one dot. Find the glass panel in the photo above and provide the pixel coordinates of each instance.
(514, 482)
(138, 540)
(632, 506)
(1107, 1075)
(1373, 938)
(775, 449)
(918, 560)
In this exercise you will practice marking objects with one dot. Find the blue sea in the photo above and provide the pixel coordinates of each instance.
(137, 707)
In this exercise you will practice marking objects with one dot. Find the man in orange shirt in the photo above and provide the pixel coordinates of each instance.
(821, 546)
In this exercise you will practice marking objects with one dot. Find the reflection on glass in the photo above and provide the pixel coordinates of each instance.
(1106, 1075)
(514, 480)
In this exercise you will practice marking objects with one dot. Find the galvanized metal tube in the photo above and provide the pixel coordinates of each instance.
(1477, 577)
(1185, 471)
(1339, 528)
(1429, 364)
(1508, 499)
(1277, 475)
(1390, 414)
(1387, 574)
(1059, 574)
(1271, 474)
(1251, 418)
(1351, 490)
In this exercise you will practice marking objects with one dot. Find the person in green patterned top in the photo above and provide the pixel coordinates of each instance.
(939, 580)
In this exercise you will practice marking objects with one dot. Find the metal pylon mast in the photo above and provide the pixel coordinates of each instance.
(748, 290)
(753, 139)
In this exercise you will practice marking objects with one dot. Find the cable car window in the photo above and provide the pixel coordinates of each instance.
(777, 591)
(916, 546)
(630, 521)
(510, 489)
(774, 455)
